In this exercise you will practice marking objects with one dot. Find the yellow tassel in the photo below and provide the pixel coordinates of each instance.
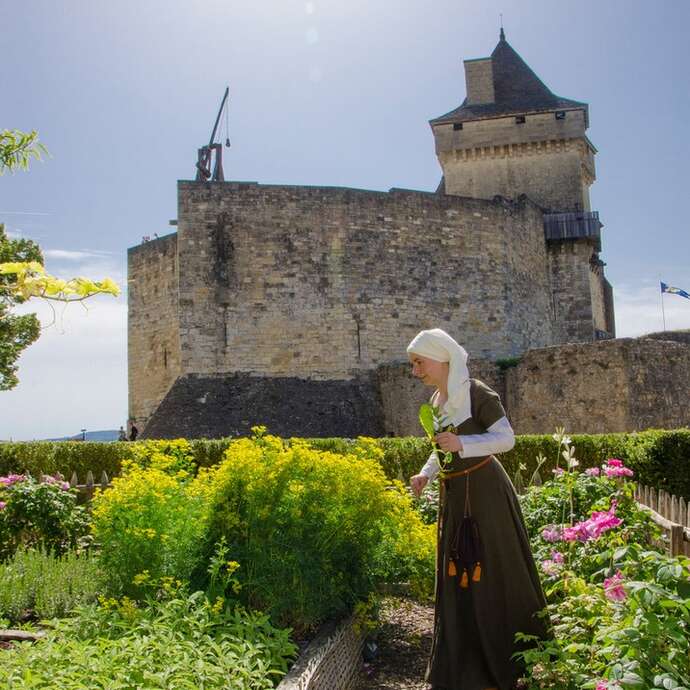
(452, 570)
(464, 580)
(477, 575)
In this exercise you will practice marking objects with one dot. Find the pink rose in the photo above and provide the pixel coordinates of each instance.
(592, 471)
(613, 587)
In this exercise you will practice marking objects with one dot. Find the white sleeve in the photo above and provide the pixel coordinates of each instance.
(431, 467)
(498, 438)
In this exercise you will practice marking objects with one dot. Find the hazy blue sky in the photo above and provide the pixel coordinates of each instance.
(324, 92)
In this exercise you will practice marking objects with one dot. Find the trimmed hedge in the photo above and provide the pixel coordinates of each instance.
(659, 458)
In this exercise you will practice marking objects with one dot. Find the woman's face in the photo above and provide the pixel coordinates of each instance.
(429, 371)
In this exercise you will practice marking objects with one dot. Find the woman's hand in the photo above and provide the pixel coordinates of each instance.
(417, 484)
(448, 442)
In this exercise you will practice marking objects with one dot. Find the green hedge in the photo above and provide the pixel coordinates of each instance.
(659, 458)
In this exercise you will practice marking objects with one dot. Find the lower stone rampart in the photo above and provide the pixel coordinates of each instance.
(610, 386)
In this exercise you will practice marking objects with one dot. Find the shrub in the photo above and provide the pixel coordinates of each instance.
(659, 458)
(307, 527)
(37, 584)
(620, 611)
(184, 642)
(39, 514)
(151, 519)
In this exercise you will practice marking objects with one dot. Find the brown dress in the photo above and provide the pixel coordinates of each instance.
(474, 627)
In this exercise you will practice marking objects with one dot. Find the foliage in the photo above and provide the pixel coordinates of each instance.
(16, 332)
(17, 148)
(620, 612)
(312, 530)
(29, 279)
(35, 583)
(181, 642)
(40, 514)
(659, 458)
(151, 519)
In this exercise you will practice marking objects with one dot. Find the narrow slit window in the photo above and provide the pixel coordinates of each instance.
(519, 119)
(457, 126)
(560, 115)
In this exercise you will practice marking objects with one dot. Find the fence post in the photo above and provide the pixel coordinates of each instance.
(89, 486)
(677, 540)
(104, 480)
(74, 480)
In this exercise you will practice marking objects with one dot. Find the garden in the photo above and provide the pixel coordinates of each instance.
(212, 564)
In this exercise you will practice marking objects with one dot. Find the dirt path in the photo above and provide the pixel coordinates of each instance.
(404, 640)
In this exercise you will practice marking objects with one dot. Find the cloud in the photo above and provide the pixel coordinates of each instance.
(70, 255)
(74, 376)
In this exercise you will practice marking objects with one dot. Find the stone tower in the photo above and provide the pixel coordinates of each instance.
(512, 136)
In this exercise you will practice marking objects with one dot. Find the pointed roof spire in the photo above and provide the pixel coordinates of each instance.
(517, 89)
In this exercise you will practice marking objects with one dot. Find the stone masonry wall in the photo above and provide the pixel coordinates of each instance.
(153, 345)
(328, 282)
(549, 160)
(616, 385)
(609, 386)
(571, 289)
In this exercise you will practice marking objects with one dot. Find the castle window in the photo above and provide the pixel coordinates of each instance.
(457, 126)
(519, 119)
(560, 115)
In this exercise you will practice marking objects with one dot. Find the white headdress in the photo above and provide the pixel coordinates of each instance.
(436, 344)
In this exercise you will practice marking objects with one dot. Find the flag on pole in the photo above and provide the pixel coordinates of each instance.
(674, 291)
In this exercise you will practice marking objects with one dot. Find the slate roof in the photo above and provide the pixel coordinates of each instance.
(518, 90)
(199, 406)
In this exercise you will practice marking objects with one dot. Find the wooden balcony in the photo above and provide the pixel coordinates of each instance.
(573, 226)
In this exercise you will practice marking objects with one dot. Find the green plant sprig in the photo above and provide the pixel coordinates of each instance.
(430, 418)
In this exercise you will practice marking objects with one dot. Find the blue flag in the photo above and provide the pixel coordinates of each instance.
(674, 291)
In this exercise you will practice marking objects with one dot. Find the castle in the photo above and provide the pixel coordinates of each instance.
(284, 304)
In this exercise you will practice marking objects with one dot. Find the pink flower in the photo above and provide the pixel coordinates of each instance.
(592, 471)
(615, 468)
(550, 568)
(557, 556)
(551, 533)
(592, 528)
(2, 505)
(558, 471)
(602, 685)
(613, 587)
(12, 479)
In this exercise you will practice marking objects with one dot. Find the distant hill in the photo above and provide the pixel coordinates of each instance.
(95, 436)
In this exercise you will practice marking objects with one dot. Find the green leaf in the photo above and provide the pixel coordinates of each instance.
(426, 419)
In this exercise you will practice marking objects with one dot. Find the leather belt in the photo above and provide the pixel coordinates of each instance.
(462, 473)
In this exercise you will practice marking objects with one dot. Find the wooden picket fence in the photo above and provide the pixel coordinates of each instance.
(88, 488)
(671, 513)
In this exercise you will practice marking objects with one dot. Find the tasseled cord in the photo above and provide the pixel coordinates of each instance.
(466, 547)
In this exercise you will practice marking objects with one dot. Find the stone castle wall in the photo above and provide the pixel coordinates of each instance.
(549, 160)
(616, 385)
(324, 283)
(153, 344)
(571, 290)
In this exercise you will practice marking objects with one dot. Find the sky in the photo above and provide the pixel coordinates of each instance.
(324, 92)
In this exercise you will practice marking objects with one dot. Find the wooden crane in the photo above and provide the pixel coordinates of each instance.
(203, 165)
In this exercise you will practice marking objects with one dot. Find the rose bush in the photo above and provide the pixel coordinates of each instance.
(39, 513)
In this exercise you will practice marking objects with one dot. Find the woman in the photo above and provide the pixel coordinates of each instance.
(487, 586)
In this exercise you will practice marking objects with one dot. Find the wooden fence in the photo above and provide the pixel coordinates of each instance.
(671, 513)
(87, 489)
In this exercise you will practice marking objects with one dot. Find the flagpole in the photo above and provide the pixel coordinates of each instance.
(663, 313)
